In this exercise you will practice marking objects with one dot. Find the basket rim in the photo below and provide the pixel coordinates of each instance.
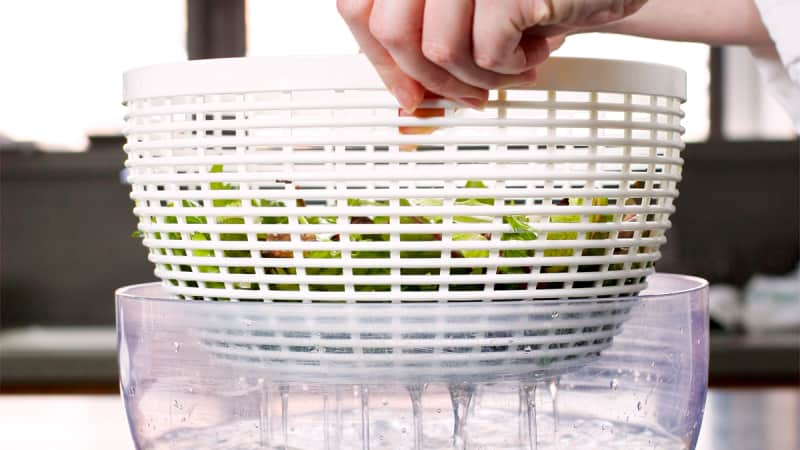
(695, 284)
(297, 73)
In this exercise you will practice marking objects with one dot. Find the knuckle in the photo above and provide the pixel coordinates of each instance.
(487, 61)
(389, 36)
(353, 9)
(440, 54)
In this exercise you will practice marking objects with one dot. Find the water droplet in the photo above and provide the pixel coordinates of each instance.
(385, 402)
(178, 405)
(248, 322)
(554, 315)
(527, 349)
(403, 430)
(190, 389)
(177, 346)
(614, 384)
(438, 410)
(638, 406)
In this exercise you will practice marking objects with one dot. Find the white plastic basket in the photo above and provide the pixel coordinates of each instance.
(411, 343)
(297, 180)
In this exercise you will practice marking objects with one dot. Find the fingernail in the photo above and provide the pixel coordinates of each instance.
(472, 102)
(405, 98)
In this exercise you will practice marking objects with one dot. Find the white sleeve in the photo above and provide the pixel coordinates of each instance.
(781, 68)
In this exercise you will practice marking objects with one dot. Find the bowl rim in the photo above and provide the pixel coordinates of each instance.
(696, 284)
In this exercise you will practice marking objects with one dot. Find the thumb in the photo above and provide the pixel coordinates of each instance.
(555, 42)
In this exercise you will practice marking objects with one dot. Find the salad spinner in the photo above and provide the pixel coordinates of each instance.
(338, 273)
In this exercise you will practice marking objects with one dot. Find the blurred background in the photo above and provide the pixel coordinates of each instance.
(66, 221)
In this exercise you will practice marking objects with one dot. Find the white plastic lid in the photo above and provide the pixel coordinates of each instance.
(286, 73)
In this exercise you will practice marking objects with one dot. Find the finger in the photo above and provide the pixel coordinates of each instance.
(631, 6)
(612, 13)
(554, 34)
(397, 25)
(447, 42)
(548, 30)
(555, 42)
(596, 12)
(356, 13)
(499, 43)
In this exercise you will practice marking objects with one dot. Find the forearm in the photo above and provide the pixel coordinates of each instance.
(715, 22)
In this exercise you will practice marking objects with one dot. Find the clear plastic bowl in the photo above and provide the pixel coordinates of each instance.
(199, 374)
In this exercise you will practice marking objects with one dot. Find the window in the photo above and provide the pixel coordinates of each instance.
(750, 111)
(291, 30)
(62, 64)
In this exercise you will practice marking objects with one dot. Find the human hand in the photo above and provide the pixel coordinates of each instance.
(460, 49)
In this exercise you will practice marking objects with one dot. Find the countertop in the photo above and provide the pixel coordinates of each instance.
(735, 419)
